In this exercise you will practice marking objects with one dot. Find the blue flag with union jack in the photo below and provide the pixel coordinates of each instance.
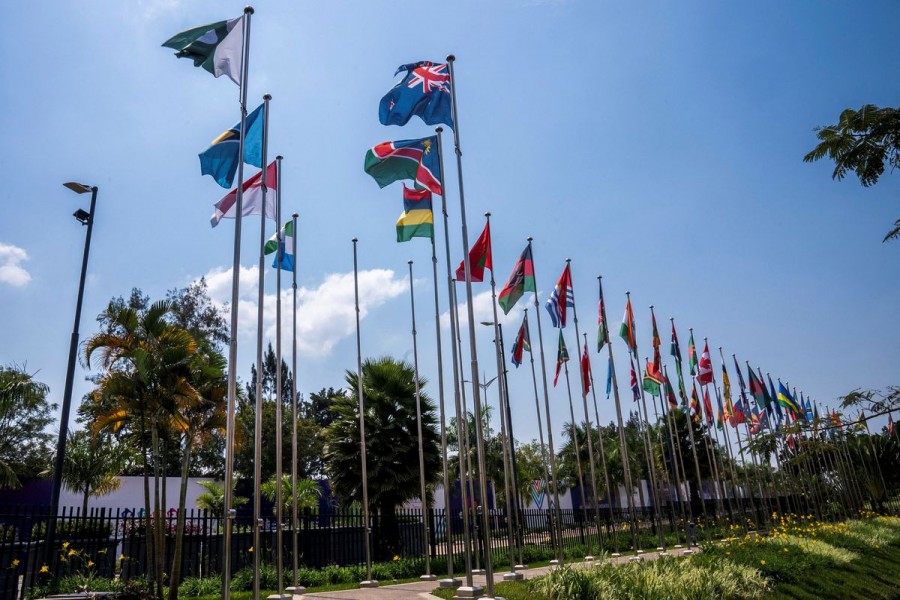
(423, 91)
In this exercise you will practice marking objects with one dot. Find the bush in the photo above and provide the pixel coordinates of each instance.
(243, 579)
(77, 529)
(8, 533)
(194, 587)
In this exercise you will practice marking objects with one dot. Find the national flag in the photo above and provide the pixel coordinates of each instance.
(585, 372)
(674, 348)
(424, 91)
(608, 378)
(890, 427)
(252, 201)
(807, 409)
(635, 390)
(695, 404)
(705, 372)
(721, 415)
(768, 399)
(521, 280)
(670, 395)
(739, 415)
(602, 331)
(562, 356)
(786, 400)
(755, 424)
(682, 393)
(216, 47)
(626, 331)
(743, 388)
(653, 379)
(773, 396)
(757, 389)
(416, 160)
(417, 218)
(657, 359)
(283, 242)
(221, 158)
(692, 356)
(707, 407)
(726, 383)
(479, 257)
(522, 344)
(561, 298)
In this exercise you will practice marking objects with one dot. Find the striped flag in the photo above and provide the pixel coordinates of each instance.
(626, 331)
(522, 343)
(283, 243)
(562, 356)
(561, 298)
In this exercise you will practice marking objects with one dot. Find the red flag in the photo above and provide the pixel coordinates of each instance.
(585, 372)
(705, 372)
(707, 406)
(479, 257)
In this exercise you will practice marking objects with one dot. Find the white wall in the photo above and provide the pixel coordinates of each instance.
(130, 494)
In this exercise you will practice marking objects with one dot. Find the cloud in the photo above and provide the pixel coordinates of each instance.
(10, 271)
(481, 306)
(325, 314)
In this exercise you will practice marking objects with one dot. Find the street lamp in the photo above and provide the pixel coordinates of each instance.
(85, 218)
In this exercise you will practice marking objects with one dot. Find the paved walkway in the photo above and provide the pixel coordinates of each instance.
(419, 590)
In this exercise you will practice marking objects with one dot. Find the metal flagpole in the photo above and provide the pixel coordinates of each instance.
(579, 471)
(512, 575)
(623, 444)
(233, 329)
(425, 533)
(257, 435)
(678, 459)
(514, 471)
(451, 581)
(588, 429)
(296, 588)
(369, 582)
(609, 490)
(651, 462)
(476, 391)
(279, 458)
(559, 555)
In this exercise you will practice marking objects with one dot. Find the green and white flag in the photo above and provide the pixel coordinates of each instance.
(216, 47)
(283, 243)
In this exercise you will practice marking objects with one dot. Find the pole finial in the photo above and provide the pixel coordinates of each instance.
(295, 215)
(279, 157)
(599, 277)
(354, 240)
(248, 10)
(628, 293)
(568, 260)
(439, 129)
(450, 58)
(267, 96)
(705, 339)
(409, 262)
(529, 238)
(488, 214)
(672, 319)
(651, 307)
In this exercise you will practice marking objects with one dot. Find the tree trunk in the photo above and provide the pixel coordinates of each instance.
(148, 526)
(159, 558)
(389, 538)
(175, 577)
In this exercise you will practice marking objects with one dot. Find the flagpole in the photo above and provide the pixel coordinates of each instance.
(651, 462)
(579, 471)
(588, 429)
(451, 581)
(369, 581)
(690, 427)
(476, 391)
(512, 575)
(559, 554)
(279, 458)
(677, 454)
(623, 445)
(425, 533)
(609, 490)
(537, 407)
(257, 435)
(296, 588)
(229, 512)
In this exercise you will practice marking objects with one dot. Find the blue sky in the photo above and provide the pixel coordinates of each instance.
(657, 144)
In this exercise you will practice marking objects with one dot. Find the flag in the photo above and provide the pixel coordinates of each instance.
(522, 344)
(890, 427)
(726, 383)
(670, 395)
(692, 355)
(635, 390)
(585, 372)
(283, 242)
(768, 399)
(252, 200)
(657, 359)
(674, 348)
(786, 400)
(773, 396)
(626, 331)
(695, 404)
(221, 158)
(216, 47)
(807, 409)
(653, 379)
(738, 417)
(720, 417)
(707, 407)
(417, 219)
(562, 355)
(521, 280)
(608, 378)
(602, 331)
(479, 257)
(705, 372)
(561, 298)
(757, 389)
(416, 160)
(424, 91)
(743, 387)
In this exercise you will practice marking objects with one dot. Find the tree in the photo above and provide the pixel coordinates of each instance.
(391, 443)
(25, 449)
(213, 499)
(862, 141)
(93, 463)
(308, 494)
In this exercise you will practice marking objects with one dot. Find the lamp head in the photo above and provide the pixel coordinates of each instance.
(78, 188)
(82, 216)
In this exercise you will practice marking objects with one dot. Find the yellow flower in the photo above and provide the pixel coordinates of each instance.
(785, 549)
(762, 562)
(45, 569)
(71, 552)
(65, 545)
(90, 563)
(121, 557)
(396, 558)
(15, 562)
(251, 549)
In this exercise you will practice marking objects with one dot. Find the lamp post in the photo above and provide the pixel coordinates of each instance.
(85, 218)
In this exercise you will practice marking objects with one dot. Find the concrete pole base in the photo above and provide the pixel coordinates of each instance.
(279, 597)
(688, 551)
(554, 563)
(638, 552)
(513, 576)
(296, 592)
(678, 546)
(428, 578)
(660, 549)
(478, 571)
(616, 554)
(465, 592)
(369, 583)
(450, 583)
(521, 567)
(589, 558)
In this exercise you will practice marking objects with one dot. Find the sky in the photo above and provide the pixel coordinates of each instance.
(657, 144)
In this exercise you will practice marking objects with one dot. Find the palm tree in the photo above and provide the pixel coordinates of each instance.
(93, 463)
(391, 443)
(308, 493)
(213, 499)
(24, 413)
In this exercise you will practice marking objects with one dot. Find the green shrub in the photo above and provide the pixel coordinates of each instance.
(194, 587)
(74, 530)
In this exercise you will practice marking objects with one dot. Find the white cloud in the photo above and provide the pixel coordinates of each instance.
(10, 271)
(481, 306)
(325, 314)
